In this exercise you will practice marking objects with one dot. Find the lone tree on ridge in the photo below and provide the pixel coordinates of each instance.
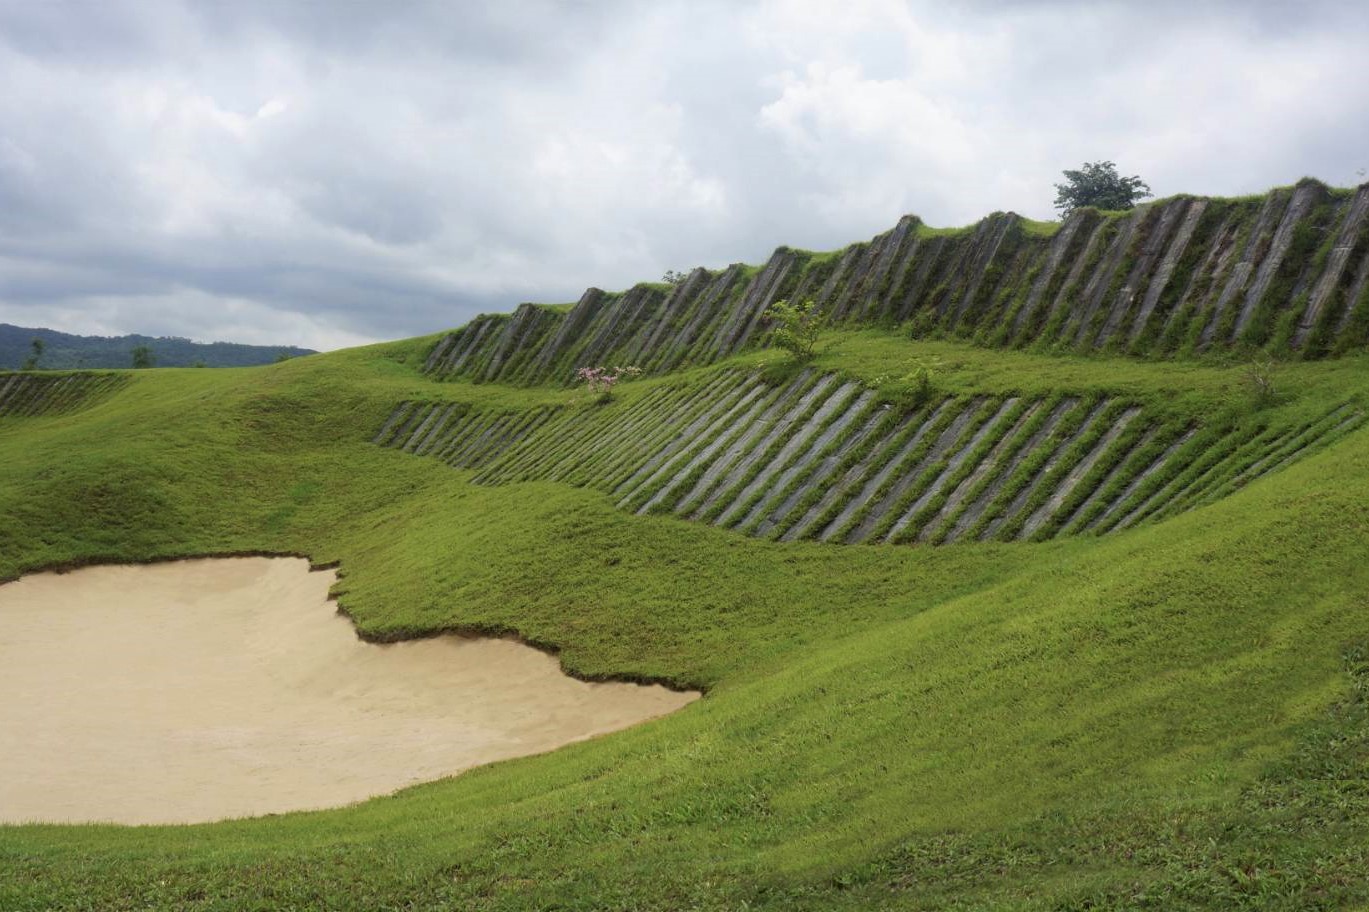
(1098, 184)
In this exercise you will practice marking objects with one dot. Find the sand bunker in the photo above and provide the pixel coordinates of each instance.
(205, 689)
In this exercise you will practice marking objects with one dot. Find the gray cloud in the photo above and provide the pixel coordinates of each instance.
(332, 173)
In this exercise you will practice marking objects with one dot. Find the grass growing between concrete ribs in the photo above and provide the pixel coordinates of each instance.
(1172, 717)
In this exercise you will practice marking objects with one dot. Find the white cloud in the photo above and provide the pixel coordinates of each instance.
(170, 166)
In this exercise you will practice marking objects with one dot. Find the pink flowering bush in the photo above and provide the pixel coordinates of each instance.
(601, 380)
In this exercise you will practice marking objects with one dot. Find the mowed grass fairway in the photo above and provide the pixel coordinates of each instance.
(1171, 716)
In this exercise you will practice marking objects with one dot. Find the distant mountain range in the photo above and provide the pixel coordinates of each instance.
(63, 351)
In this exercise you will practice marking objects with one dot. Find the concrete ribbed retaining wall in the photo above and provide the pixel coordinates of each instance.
(1287, 272)
(25, 395)
(822, 458)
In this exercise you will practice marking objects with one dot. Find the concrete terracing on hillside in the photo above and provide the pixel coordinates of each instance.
(1288, 272)
(25, 395)
(821, 457)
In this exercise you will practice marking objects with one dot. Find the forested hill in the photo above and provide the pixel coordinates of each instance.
(63, 351)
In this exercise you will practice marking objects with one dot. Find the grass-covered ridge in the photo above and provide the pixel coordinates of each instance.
(1168, 717)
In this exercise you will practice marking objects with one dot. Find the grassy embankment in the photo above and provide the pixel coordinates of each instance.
(1162, 718)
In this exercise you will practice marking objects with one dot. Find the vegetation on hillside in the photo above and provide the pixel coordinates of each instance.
(1098, 184)
(48, 349)
(1173, 717)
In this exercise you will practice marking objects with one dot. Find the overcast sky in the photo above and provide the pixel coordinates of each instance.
(330, 173)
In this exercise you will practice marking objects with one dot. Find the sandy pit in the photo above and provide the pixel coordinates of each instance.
(206, 689)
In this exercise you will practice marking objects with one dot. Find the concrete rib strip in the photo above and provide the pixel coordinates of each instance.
(462, 353)
(476, 439)
(1077, 474)
(37, 397)
(743, 444)
(510, 462)
(1121, 470)
(1095, 289)
(1168, 264)
(1306, 437)
(406, 426)
(428, 439)
(429, 416)
(991, 463)
(1353, 295)
(34, 401)
(1150, 261)
(492, 449)
(682, 437)
(1161, 495)
(399, 433)
(63, 393)
(879, 428)
(1317, 443)
(1075, 275)
(758, 447)
(545, 416)
(1019, 502)
(473, 435)
(476, 357)
(435, 433)
(654, 424)
(38, 402)
(787, 452)
(1239, 276)
(909, 473)
(704, 455)
(615, 429)
(961, 450)
(688, 443)
(439, 350)
(18, 384)
(1337, 260)
(1205, 279)
(18, 387)
(463, 436)
(510, 465)
(805, 462)
(682, 410)
(385, 429)
(846, 488)
(580, 433)
(1304, 198)
(631, 442)
(460, 434)
(60, 394)
(868, 490)
(10, 383)
(68, 394)
(53, 395)
(1125, 496)
(1225, 469)
(493, 438)
(466, 432)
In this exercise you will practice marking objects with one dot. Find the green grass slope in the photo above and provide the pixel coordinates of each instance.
(1175, 716)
